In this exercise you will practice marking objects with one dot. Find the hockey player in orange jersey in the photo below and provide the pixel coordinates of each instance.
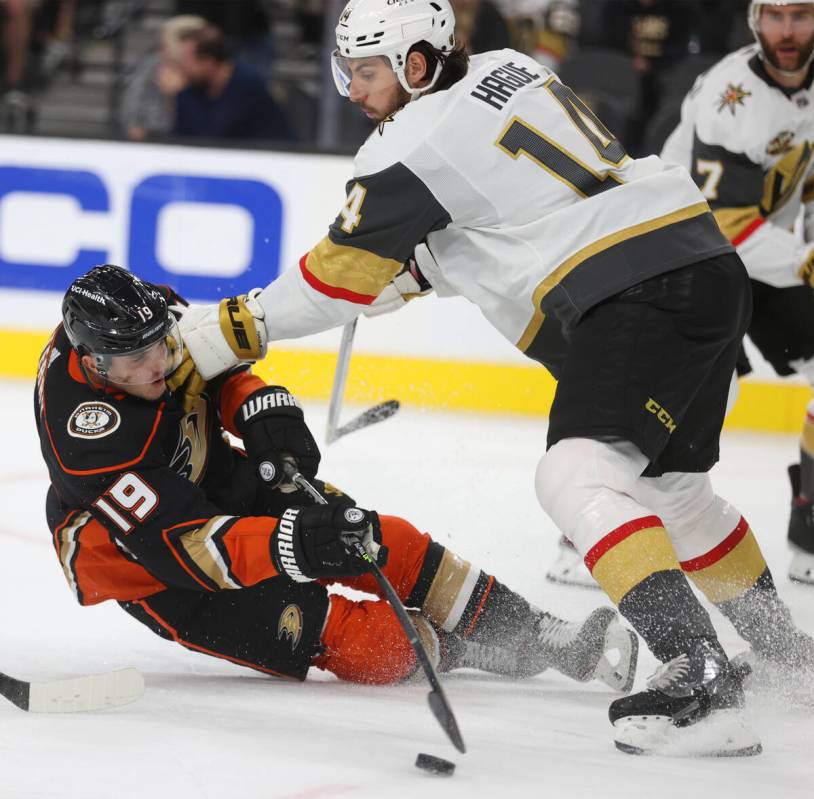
(209, 546)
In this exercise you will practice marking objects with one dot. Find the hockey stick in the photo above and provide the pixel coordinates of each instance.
(377, 413)
(92, 692)
(439, 704)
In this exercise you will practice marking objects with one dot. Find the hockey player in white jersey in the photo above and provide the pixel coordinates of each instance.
(493, 181)
(747, 136)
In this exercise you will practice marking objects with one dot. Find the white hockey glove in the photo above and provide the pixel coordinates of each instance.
(218, 337)
(405, 286)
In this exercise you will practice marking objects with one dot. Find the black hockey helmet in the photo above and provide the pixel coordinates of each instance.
(109, 312)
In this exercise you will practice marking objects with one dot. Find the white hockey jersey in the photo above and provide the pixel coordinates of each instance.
(511, 193)
(748, 143)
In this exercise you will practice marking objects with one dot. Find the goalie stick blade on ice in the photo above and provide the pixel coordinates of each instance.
(75, 695)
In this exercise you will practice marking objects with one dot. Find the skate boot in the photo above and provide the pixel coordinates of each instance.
(692, 708)
(596, 648)
(461, 654)
(801, 532)
(569, 568)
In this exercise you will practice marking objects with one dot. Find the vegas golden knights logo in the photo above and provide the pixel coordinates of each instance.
(290, 625)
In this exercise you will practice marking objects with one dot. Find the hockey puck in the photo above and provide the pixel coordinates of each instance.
(435, 765)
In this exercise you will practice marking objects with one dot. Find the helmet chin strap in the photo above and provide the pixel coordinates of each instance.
(416, 93)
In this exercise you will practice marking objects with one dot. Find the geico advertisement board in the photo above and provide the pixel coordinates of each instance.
(209, 222)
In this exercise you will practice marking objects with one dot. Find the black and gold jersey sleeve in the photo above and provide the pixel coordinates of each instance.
(740, 192)
(384, 217)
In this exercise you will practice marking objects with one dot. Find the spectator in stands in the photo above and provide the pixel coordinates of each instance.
(244, 23)
(15, 23)
(480, 26)
(654, 33)
(225, 98)
(544, 29)
(148, 105)
(57, 38)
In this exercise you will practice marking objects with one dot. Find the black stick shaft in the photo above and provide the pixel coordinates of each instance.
(439, 704)
(16, 691)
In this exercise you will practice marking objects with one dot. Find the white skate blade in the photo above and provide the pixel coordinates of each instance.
(570, 569)
(801, 568)
(723, 733)
(617, 665)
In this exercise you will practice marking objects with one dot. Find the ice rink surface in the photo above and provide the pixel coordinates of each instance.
(206, 728)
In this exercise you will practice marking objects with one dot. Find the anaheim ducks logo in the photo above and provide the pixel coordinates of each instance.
(93, 420)
(732, 97)
(781, 143)
(290, 625)
(192, 450)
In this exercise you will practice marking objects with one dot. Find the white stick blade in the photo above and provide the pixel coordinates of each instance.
(94, 692)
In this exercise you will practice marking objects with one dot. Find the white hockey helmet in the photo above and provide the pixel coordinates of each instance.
(390, 28)
(754, 22)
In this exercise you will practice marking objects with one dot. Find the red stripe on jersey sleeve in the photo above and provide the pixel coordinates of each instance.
(332, 291)
(747, 231)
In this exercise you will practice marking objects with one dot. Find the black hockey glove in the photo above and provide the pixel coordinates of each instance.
(318, 542)
(272, 425)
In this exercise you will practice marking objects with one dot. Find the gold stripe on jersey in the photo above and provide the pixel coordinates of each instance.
(597, 247)
(66, 547)
(733, 574)
(445, 588)
(782, 179)
(733, 221)
(199, 549)
(634, 559)
(351, 268)
(808, 190)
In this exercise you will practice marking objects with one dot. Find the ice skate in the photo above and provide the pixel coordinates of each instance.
(597, 648)
(569, 568)
(800, 532)
(692, 708)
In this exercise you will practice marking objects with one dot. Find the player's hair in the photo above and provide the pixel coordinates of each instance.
(454, 64)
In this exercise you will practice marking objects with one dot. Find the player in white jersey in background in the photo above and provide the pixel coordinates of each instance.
(493, 181)
(746, 136)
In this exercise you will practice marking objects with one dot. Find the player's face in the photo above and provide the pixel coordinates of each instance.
(141, 374)
(374, 87)
(787, 35)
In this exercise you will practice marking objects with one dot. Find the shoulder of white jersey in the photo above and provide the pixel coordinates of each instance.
(398, 135)
(730, 104)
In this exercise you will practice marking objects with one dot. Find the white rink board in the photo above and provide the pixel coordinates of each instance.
(47, 229)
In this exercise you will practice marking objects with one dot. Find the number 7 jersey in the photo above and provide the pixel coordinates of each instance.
(511, 193)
